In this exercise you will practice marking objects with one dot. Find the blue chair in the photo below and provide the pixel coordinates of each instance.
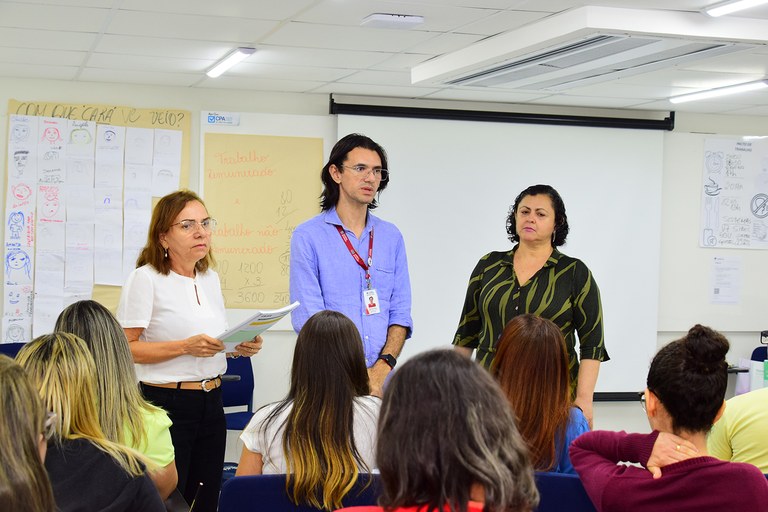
(760, 353)
(238, 392)
(562, 493)
(266, 493)
(10, 349)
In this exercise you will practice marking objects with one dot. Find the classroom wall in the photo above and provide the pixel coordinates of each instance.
(272, 365)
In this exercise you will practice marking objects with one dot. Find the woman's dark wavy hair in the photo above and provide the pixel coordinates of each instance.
(327, 375)
(444, 425)
(561, 219)
(689, 377)
(330, 195)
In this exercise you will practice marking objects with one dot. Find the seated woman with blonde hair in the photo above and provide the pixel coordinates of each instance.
(531, 366)
(322, 435)
(88, 472)
(124, 415)
(24, 485)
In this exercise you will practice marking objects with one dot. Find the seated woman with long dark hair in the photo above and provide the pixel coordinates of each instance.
(447, 441)
(88, 472)
(322, 435)
(531, 366)
(684, 397)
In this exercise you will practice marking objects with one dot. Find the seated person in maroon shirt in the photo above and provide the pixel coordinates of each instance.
(685, 396)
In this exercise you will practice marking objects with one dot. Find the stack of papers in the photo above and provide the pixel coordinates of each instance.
(254, 325)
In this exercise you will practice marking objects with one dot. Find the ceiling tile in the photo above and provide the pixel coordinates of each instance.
(187, 26)
(295, 56)
(265, 10)
(147, 64)
(36, 71)
(53, 17)
(138, 77)
(46, 39)
(150, 46)
(260, 84)
(41, 57)
(327, 36)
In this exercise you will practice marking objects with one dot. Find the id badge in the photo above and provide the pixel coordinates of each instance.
(371, 301)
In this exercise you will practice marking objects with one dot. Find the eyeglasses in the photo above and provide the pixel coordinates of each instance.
(364, 170)
(190, 225)
(49, 427)
(641, 397)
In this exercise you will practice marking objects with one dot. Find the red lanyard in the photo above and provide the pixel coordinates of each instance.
(357, 257)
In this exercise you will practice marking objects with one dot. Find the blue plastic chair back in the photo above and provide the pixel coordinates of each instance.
(238, 392)
(11, 349)
(562, 493)
(266, 493)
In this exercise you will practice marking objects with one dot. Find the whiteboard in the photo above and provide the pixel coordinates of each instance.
(686, 276)
(452, 183)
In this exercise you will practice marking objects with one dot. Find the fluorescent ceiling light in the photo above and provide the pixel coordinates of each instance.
(720, 91)
(230, 60)
(731, 6)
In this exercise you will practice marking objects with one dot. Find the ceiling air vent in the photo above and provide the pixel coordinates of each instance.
(593, 59)
(590, 44)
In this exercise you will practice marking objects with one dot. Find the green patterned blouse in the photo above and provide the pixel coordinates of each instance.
(563, 291)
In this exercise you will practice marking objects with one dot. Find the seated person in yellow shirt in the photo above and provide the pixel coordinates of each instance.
(740, 434)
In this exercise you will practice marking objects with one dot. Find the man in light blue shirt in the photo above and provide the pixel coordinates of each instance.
(347, 260)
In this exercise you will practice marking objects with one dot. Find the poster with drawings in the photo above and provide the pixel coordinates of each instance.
(51, 160)
(734, 192)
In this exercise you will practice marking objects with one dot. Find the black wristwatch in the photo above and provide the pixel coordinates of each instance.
(389, 359)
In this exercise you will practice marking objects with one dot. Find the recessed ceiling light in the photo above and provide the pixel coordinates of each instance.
(384, 20)
(731, 6)
(230, 60)
(720, 91)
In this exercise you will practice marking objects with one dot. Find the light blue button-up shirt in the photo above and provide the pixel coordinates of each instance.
(324, 275)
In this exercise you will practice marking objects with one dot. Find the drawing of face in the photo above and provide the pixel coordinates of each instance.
(79, 136)
(17, 260)
(20, 132)
(51, 155)
(51, 134)
(21, 192)
(20, 161)
(50, 207)
(14, 334)
(14, 297)
(164, 173)
(109, 135)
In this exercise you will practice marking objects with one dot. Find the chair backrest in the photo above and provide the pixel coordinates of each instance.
(562, 493)
(266, 493)
(238, 392)
(760, 353)
(10, 349)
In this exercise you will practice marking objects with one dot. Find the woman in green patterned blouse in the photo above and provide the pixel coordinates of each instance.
(534, 277)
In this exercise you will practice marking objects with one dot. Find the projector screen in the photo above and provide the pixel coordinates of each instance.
(451, 186)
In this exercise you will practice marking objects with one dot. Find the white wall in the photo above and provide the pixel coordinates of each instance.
(271, 367)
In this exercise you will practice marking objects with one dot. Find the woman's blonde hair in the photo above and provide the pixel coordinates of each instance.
(121, 406)
(24, 485)
(327, 375)
(64, 372)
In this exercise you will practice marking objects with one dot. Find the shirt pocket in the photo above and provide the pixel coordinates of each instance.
(383, 282)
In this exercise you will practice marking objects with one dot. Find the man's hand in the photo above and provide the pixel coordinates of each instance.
(377, 374)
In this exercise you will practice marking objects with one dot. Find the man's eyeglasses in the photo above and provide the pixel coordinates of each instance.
(190, 225)
(641, 397)
(364, 170)
(49, 427)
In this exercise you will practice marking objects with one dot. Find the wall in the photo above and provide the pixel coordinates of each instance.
(272, 365)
